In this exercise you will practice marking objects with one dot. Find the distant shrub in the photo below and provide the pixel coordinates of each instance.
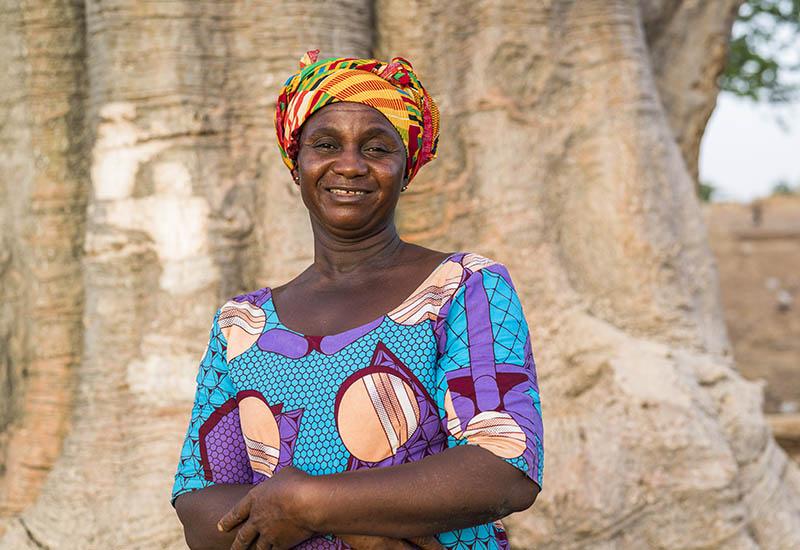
(784, 188)
(706, 191)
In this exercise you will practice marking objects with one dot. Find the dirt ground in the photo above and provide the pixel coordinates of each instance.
(757, 247)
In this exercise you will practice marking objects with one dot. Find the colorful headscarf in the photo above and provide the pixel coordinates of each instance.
(391, 88)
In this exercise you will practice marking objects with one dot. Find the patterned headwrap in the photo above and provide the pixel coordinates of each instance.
(391, 88)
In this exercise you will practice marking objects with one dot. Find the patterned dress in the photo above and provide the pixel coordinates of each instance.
(452, 365)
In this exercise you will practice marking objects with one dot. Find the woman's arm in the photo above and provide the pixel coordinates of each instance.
(457, 488)
(460, 487)
(199, 512)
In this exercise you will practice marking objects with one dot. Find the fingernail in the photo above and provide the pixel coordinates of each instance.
(219, 527)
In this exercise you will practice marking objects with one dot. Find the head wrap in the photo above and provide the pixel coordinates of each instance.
(392, 88)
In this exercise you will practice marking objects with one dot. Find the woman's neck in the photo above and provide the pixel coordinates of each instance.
(334, 255)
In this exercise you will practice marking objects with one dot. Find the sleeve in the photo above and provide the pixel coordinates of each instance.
(214, 449)
(486, 377)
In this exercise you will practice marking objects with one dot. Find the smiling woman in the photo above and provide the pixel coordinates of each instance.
(393, 402)
(349, 163)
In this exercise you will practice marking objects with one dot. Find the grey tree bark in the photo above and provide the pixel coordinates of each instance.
(570, 130)
(43, 144)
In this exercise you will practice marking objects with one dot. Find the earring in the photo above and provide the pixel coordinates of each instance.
(297, 179)
(402, 189)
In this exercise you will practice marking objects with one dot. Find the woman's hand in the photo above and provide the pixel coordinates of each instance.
(370, 542)
(271, 515)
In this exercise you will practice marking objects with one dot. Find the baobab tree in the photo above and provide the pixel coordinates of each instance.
(142, 188)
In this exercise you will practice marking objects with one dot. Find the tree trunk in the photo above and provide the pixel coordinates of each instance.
(42, 219)
(567, 131)
(688, 45)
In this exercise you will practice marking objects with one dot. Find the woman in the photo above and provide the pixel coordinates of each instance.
(388, 392)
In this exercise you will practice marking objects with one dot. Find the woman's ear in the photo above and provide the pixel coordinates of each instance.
(296, 176)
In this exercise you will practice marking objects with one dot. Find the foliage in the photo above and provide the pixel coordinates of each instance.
(706, 191)
(757, 67)
(785, 188)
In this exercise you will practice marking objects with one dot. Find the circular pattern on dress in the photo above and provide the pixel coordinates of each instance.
(497, 432)
(261, 435)
(377, 413)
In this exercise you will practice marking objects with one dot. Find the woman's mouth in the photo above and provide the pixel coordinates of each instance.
(345, 192)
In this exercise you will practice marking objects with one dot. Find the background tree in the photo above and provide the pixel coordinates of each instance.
(706, 191)
(783, 187)
(764, 36)
(142, 188)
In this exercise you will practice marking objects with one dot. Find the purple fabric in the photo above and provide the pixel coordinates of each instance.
(337, 342)
(258, 297)
(227, 454)
(284, 342)
(481, 346)
(322, 543)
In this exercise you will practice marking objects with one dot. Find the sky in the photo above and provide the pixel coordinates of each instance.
(748, 147)
(746, 150)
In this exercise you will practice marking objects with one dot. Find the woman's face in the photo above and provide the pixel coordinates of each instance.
(350, 165)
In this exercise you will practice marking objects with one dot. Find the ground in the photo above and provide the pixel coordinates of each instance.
(757, 248)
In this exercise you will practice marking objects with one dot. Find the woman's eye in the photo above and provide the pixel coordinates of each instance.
(378, 149)
(325, 145)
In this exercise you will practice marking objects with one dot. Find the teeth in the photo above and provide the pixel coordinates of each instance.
(347, 192)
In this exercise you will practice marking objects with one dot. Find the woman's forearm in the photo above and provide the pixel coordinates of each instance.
(457, 488)
(199, 512)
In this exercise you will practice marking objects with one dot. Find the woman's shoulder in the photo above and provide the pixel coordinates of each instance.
(475, 269)
(460, 271)
(244, 311)
(471, 263)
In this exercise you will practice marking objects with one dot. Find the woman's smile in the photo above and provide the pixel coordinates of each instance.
(348, 193)
(350, 169)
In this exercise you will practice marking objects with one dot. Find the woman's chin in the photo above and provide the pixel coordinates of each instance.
(350, 225)
(349, 217)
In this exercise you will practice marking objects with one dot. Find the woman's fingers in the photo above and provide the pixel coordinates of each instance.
(247, 534)
(262, 544)
(427, 543)
(239, 513)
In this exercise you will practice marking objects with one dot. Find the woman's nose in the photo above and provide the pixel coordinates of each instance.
(350, 163)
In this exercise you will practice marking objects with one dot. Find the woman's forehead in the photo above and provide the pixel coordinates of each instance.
(347, 116)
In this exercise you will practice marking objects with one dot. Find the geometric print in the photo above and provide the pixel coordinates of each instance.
(392, 402)
(241, 323)
(269, 433)
(452, 365)
(404, 417)
(426, 302)
(214, 389)
(496, 431)
(391, 88)
(220, 455)
(393, 405)
(263, 457)
(243, 315)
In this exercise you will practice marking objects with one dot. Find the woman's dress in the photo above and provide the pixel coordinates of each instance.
(452, 365)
